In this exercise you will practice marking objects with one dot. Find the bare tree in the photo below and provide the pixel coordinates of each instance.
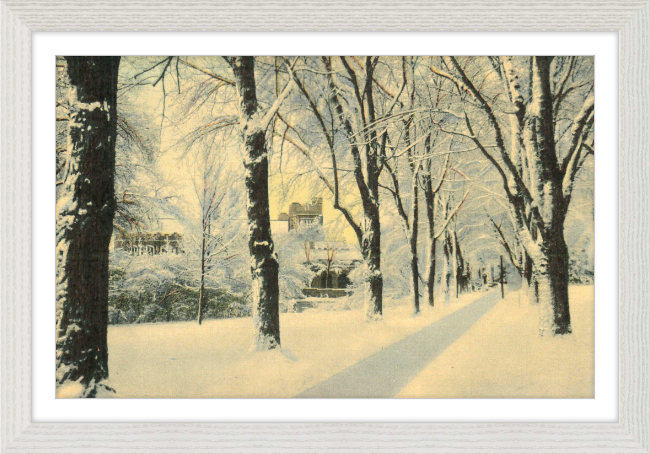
(211, 188)
(264, 264)
(539, 167)
(353, 116)
(367, 179)
(431, 192)
(410, 220)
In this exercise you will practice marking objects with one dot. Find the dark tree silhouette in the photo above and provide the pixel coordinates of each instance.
(85, 211)
(264, 262)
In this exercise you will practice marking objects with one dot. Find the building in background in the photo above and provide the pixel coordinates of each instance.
(149, 243)
(303, 216)
(162, 236)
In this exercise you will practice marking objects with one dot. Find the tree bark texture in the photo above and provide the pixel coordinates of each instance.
(429, 197)
(264, 263)
(454, 264)
(413, 240)
(85, 211)
(550, 254)
(537, 181)
(447, 268)
(368, 185)
(371, 252)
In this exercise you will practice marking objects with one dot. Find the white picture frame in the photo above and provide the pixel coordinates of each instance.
(18, 19)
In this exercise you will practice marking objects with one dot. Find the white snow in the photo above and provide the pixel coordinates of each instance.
(70, 389)
(502, 355)
(215, 360)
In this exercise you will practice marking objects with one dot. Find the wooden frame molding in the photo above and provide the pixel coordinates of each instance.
(18, 19)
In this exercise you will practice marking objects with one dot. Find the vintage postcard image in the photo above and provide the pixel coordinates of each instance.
(325, 226)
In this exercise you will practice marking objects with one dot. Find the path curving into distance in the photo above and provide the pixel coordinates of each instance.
(386, 372)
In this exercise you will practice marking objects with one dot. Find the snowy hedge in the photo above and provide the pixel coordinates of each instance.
(146, 290)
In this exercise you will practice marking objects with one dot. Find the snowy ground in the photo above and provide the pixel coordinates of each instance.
(502, 356)
(183, 359)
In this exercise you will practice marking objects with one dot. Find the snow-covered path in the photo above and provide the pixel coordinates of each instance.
(386, 372)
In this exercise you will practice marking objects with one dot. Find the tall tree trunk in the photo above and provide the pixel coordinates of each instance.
(459, 262)
(430, 199)
(540, 191)
(374, 299)
(447, 269)
(413, 240)
(415, 196)
(552, 277)
(264, 263)
(431, 271)
(519, 152)
(85, 212)
(550, 254)
(453, 264)
(371, 252)
(431, 274)
(502, 275)
(369, 235)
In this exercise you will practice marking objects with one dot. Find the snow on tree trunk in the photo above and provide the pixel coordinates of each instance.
(371, 251)
(264, 263)
(550, 254)
(368, 185)
(552, 277)
(537, 181)
(85, 212)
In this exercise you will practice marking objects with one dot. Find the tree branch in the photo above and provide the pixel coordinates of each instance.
(268, 116)
(206, 72)
(398, 198)
(504, 242)
(466, 85)
(451, 216)
(559, 96)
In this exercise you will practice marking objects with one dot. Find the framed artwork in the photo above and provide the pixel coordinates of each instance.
(210, 278)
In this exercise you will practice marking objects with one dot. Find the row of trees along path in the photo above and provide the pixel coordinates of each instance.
(388, 122)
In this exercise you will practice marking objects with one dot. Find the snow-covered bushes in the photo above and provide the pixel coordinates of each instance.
(116, 316)
(183, 313)
(152, 313)
(149, 289)
(131, 316)
(581, 267)
(180, 303)
(295, 273)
